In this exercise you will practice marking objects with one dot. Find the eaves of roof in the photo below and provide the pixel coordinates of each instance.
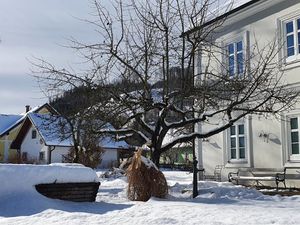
(223, 16)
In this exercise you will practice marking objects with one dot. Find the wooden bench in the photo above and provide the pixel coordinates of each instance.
(259, 175)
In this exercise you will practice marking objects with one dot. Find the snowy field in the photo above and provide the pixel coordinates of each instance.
(218, 203)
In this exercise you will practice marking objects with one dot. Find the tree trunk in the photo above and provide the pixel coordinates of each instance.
(76, 155)
(155, 157)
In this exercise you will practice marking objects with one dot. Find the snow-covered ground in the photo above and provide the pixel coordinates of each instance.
(218, 203)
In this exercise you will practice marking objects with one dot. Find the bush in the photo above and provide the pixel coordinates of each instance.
(90, 157)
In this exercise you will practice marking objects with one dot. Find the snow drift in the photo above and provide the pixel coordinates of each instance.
(23, 178)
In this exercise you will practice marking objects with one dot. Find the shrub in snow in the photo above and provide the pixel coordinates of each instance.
(113, 173)
(90, 156)
(145, 180)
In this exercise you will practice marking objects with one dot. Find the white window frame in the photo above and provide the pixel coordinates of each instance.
(295, 32)
(236, 136)
(282, 40)
(235, 58)
(244, 162)
(244, 38)
(289, 159)
(292, 157)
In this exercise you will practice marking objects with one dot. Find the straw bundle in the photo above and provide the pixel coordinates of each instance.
(145, 180)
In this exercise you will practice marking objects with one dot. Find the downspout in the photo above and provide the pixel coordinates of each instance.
(6, 148)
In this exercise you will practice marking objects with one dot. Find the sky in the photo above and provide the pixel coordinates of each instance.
(36, 28)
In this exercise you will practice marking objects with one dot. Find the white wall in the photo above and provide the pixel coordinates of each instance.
(109, 158)
(31, 146)
(57, 154)
(263, 151)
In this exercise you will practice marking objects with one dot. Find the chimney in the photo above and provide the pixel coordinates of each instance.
(27, 108)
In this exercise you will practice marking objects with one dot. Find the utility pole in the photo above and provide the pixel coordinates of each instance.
(195, 172)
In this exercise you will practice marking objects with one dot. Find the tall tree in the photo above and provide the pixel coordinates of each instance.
(141, 42)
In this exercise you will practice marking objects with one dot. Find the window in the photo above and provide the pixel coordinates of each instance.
(33, 134)
(235, 58)
(291, 139)
(294, 135)
(237, 142)
(42, 156)
(290, 26)
(292, 31)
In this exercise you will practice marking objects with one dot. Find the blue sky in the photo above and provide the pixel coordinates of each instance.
(36, 28)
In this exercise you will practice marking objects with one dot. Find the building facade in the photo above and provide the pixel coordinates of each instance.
(256, 141)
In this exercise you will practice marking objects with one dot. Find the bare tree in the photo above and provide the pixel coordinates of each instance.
(74, 99)
(141, 43)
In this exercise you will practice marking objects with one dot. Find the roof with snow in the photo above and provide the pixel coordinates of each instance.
(47, 126)
(110, 143)
(53, 129)
(9, 122)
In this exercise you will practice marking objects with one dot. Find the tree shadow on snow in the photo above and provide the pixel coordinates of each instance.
(27, 206)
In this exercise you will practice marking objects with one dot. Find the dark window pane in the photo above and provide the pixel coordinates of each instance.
(33, 134)
(231, 65)
(232, 130)
(295, 137)
(242, 153)
(239, 46)
(242, 142)
(295, 148)
(289, 27)
(241, 129)
(294, 123)
(230, 49)
(290, 51)
(290, 41)
(232, 142)
(233, 153)
(298, 24)
(240, 63)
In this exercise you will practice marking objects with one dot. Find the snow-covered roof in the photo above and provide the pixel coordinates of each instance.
(8, 122)
(53, 129)
(110, 143)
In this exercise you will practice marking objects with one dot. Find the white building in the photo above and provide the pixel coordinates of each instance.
(256, 141)
(41, 140)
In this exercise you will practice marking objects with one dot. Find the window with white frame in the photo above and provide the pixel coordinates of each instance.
(294, 135)
(235, 54)
(237, 142)
(292, 38)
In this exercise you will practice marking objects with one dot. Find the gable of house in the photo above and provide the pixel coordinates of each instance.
(9, 128)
